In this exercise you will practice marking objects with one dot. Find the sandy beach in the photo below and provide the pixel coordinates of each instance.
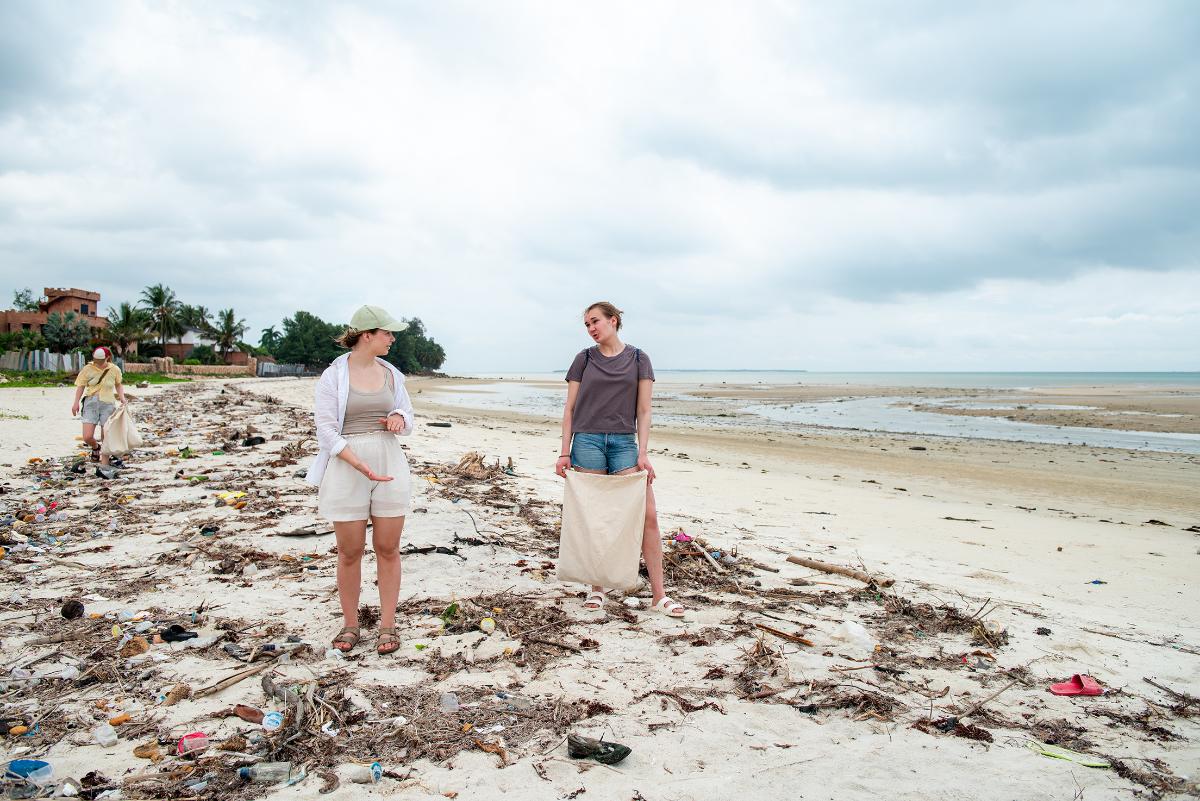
(997, 568)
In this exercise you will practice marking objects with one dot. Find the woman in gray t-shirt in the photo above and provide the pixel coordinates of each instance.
(606, 428)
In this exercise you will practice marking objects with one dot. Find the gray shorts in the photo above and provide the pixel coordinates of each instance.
(96, 411)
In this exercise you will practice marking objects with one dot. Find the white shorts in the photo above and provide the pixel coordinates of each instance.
(346, 494)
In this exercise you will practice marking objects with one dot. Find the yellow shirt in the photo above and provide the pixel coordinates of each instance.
(89, 378)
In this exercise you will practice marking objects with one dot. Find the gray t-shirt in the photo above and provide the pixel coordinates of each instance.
(607, 399)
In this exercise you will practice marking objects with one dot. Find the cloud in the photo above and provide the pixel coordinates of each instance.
(731, 177)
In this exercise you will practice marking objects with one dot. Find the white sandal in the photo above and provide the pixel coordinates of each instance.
(669, 607)
(595, 601)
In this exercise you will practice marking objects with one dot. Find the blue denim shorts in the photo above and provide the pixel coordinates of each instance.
(609, 452)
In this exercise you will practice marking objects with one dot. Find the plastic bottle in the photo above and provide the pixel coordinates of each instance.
(366, 774)
(105, 735)
(267, 772)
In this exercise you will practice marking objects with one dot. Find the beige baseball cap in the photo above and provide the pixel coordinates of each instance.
(369, 318)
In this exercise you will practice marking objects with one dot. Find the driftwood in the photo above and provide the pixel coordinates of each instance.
(1183, 698)
(232, 680)
(783, 634)
(716, 565)
(62, 636)
(825, 567)
(980, 705)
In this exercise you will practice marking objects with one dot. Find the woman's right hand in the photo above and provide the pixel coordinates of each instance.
(369, 473)
(560, 466)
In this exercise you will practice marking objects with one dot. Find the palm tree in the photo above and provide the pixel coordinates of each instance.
(197, 317)
(269, 339)
(228, 331)
(127, 324)
(163, 307)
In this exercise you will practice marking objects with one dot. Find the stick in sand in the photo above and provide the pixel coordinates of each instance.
(825, 567)
(232, 680)
(711, 561)
(783, 634)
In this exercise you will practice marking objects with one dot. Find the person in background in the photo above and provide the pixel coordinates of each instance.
(97, 388)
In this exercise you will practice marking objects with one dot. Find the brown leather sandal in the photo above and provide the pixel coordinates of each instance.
(388, 642)
(348, 636)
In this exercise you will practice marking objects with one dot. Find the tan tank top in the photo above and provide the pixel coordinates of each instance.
(363, 409)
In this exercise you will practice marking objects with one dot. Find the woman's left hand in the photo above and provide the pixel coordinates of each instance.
(393, 422)
(644, 464)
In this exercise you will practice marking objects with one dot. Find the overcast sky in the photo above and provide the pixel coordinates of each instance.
(824, 186)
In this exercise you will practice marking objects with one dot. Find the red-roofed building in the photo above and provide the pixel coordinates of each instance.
(84, 303)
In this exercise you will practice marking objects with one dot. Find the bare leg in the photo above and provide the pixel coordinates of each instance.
(103, 457)
(89, 435)
(651, 543)
(386, 540)
(351, 538)
(602, 473)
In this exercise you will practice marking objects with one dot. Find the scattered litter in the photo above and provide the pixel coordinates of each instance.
(1079, 684)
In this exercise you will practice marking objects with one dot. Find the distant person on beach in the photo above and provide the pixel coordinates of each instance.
(606, 429)
(362, 472)
(97, 389)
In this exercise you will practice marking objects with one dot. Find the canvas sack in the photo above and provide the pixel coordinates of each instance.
(120, 433)
(602, 524)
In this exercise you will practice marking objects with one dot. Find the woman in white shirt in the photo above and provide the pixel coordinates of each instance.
(361, 470)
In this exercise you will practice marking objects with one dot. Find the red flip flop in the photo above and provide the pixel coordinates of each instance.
(1078, 685)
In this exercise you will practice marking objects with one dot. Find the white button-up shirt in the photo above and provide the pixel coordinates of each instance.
(333, 389)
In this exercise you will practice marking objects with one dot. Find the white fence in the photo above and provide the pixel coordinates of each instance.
(43, 360)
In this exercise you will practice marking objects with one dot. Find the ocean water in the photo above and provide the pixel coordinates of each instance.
(884, 414)
(894, 416)
(980, 380)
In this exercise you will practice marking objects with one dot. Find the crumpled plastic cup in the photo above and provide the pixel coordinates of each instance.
(34, 771)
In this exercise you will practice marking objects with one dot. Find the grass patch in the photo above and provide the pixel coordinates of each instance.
(48, 378)
(12, 416)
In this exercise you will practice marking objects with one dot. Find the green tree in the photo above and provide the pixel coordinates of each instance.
(228, 330)
(430, 355)
(127, 325)
(23, 300)
(307, 339)
(66, 332)
(269, 339)
(30, 339)
(163, 306)
(197, 317)
(205, 354)
(414, 352)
